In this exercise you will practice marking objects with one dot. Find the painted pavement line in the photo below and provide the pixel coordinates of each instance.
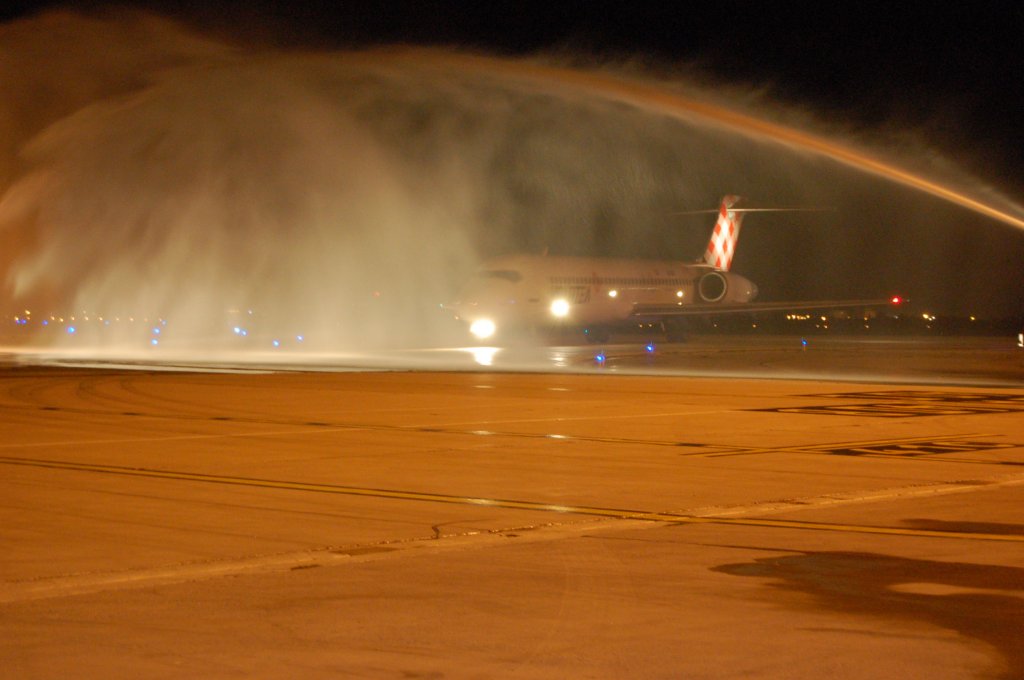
(613, 513)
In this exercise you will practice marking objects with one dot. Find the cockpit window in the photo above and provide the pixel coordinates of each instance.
(503, 274)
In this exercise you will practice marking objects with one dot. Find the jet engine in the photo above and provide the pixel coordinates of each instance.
(725, 287)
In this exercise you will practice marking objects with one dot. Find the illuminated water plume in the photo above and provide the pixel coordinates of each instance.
(339, 197)
(653, 97)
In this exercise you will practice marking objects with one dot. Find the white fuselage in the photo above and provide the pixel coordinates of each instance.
(523, 290)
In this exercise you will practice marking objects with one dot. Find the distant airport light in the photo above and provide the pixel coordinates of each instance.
(650, 348)
(482, 328)
(300, 338)
(613, 293)
(154, 342)
(600, 357)
(71, 330)
(679, 293)
(896, 300)
(276, 343)
(560, 308)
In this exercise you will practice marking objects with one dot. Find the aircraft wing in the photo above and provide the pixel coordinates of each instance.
(685, 309)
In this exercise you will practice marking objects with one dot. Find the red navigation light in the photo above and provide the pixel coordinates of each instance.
(896, 300)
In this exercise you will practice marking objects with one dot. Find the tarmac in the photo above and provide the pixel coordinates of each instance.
(487, 523)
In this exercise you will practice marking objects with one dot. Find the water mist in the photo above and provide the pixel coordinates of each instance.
(182, 194)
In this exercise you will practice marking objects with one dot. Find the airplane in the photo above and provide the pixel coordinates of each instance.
(598, 294)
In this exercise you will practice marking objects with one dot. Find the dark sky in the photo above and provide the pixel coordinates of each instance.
(955, 70)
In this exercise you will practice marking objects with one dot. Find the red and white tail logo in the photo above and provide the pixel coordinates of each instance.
(722, 245)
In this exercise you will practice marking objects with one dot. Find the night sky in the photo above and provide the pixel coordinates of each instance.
(953, 70)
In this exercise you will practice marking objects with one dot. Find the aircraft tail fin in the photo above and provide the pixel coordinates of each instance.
(722, 245)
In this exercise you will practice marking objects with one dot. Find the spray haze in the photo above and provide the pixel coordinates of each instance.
(341, 196)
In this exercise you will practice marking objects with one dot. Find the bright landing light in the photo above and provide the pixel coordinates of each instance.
(560, 308)
(482, 328)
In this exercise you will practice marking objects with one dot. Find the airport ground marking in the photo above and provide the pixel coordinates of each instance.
(911, 446)
(926, 447)
(610, 513)
(909, 404)
(931, 448)
(168, 438)
(928, 395)
(457, 428)
(891, 403)
(894, 409)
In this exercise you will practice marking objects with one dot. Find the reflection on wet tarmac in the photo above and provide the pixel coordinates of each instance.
(993, 361)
